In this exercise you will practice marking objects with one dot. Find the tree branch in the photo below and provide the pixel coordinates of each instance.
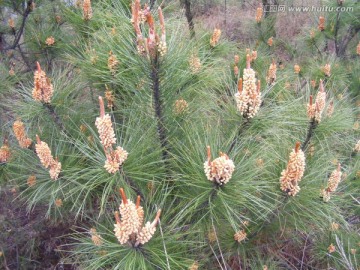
(158, 109)
(351, 32)
(312, 126)
(21, 30)
(189, 18)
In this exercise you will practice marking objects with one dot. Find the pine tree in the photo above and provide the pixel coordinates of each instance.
(175, 156)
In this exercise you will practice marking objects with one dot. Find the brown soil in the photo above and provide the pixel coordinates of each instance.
(29, 240)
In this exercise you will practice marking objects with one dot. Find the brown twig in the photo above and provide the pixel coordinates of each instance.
(21, 29)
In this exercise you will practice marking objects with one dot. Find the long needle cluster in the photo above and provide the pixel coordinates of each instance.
(44, 153)
(220, 169)
(129, 226)
(333, 183)
(20, 134)
(248, 97)
(153, 44)
(43, 89)
(314, 111)
(114, 158)
(291, 176)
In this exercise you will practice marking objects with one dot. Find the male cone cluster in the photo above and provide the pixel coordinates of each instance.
(129, 223)
(153, 44)
(291, 176)
(43, 89)
(333, 183)
(248, 97)
(44, 153)
(114, 158)
(220, 169)
(20, 134)
(314, 111)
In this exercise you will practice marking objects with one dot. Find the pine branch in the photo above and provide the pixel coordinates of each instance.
(351, 32)
(133, 185)
(337, 25)
(241, 129)
(272, 217)
(158, 109)
(21, 30)
(212, 195)
(312, 126)
(189, 18)
(303, 84)
(56, 118)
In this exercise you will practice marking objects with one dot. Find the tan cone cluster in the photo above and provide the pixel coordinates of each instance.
(215, 37)
(270, 41)
(291, 176)
(12, 71)
(44, 153)
(334, 226)
(195, 64)
(11, 23)
(20, 134)
(129, 223)
(271, 74)
(327, 70)
(330, 109)
(314, 111)
(50, 41)
(43, 89)
(357, 146)
(248, 97)
(96, 238)
(153, 44)
(5, 153)
(297, 69)
(194, 266)
(358, 49)
(253, 56)
(240, 236)
(162, 47)
(236, 62)
(333, 183)
(220, 169)
(87, 10)
(180, 106)
(259, 14)
(331, 248)
(109, 96)
(105, 129)
(113, 63)
(114, 158)
(321, 25)
(31, 181)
